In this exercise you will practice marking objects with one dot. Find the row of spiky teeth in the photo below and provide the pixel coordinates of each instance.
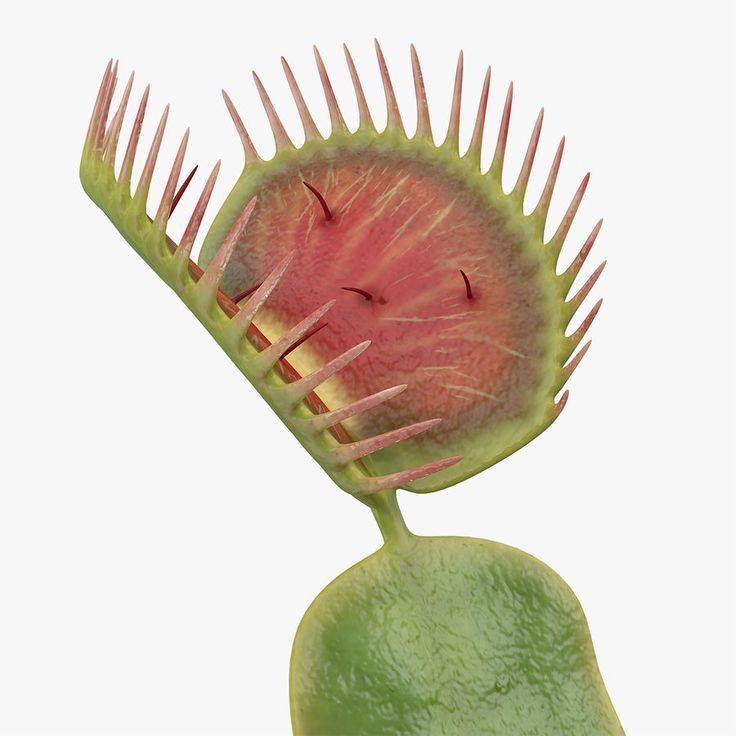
(201, 291)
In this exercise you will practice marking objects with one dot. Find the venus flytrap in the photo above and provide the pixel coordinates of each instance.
(403, 317)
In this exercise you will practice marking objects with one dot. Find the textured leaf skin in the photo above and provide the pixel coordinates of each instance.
(452, 636)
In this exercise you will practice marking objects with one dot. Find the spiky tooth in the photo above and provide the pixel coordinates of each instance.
(105, 109)
(210, 280)
(574, 339)
(558, 239)
(393, 115)
(110, 144)
(164, 208)
(311, 132)
(395, 480)
(190, 233)
(336, 119)
(569, 369)
(280, 136)
(560, 405)
(476, 141)
(574, 303)
(503, 135)
(297, 390)
(329, 419)
(542, 208)
(364, 113)
(452, 139)
(95, 117)
(424, 126)
(526, 168)
(574, 268)
(267, 358)
(141, 193)
(251, 154)
(355, 450)
(241, 321)
(126, 169)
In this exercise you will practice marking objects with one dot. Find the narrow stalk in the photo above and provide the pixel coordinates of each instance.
(388, 516)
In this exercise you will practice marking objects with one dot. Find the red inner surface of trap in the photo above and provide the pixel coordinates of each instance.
(400, 233)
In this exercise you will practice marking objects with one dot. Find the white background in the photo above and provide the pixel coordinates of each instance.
(161, 533)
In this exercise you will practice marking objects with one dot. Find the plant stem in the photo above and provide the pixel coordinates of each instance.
(388, 516)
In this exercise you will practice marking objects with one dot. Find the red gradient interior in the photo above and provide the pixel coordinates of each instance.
(401, 231)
